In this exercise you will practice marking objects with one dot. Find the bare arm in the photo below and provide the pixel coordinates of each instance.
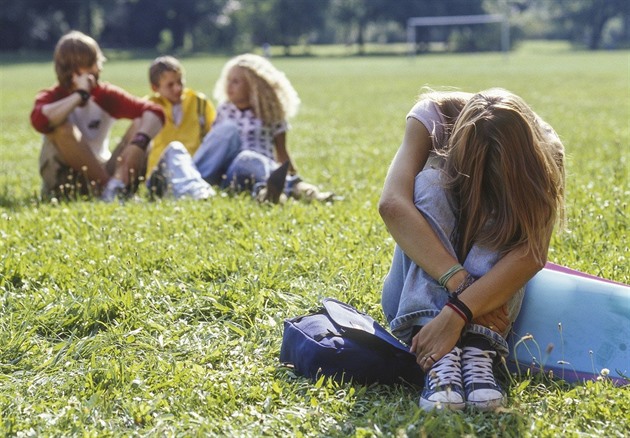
(417, 239)
(405, 223)
(57, 112)
(499, 284)
(488, 293)
(132, 157)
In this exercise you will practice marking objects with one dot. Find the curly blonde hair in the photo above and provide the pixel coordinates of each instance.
(272, 97)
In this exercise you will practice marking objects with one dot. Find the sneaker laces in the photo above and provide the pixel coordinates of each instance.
(447, 371)
(477, 366)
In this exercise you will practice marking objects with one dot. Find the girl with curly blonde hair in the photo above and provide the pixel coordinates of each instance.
(247, 146)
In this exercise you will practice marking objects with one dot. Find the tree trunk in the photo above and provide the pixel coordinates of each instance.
(599, 20)
(361, 38)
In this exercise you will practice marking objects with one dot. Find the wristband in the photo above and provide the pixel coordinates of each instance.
(141, 140)
(460, 308)
(448, 274)
(85, 96)
(466, 316)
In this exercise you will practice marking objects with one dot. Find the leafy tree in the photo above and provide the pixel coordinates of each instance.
(210, 24)
(584, 18)
(357, 14)
(183, 17)
(594, 14)
(282, 22)
(38, 24)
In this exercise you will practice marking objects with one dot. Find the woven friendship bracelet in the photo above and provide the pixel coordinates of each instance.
(449, 274)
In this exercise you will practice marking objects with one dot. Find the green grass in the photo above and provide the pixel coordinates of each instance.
(165, 318)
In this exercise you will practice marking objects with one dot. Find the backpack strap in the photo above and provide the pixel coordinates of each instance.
(350, 319)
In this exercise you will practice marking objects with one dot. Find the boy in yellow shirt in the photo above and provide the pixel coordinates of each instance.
(188, 118)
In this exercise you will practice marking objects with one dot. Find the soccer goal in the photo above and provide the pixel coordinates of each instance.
(458, 20)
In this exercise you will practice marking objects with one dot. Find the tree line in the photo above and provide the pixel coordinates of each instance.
(238, 25)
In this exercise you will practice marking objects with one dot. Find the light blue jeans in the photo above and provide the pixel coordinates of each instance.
(250, 171)
(181, 175)
(221, 161)
(217, 151)
(411, 298)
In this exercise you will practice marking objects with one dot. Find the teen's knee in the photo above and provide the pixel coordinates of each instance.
(432, 200)
(63, 132)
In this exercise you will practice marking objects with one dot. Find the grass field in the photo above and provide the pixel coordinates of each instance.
(165, 318)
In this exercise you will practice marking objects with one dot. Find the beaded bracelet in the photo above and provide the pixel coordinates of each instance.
(470, 279)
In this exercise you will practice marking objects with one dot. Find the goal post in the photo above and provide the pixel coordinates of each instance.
(458, 20)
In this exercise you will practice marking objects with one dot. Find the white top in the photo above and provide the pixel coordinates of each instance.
(255, 136)
(95, 125)
(427, 112)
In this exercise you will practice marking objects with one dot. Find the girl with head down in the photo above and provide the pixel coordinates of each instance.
(471, 199)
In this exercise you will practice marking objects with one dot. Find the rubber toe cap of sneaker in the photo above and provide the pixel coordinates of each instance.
(485, 399)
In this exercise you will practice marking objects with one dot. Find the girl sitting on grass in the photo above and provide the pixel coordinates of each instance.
(470, 233)
(248, 140)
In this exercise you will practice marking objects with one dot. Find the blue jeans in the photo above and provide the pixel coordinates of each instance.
(217, 150)
(179, 172)
(221, 161)
(250, 170)
(410, 296)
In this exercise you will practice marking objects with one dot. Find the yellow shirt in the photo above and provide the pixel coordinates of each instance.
(197, 117)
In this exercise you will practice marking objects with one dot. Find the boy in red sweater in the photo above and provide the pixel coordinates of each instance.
(76, 116)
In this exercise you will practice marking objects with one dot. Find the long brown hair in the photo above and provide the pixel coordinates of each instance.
(505, 172)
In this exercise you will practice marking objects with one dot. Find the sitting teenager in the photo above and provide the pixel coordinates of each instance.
(471, 199)
(189, 116)
(76, 117)
(249, 138)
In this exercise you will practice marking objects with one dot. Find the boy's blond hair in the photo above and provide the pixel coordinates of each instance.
(163, 64)
(75, 50)
(272, 97)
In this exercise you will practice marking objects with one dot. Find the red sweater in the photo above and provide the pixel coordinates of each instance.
(113, 100)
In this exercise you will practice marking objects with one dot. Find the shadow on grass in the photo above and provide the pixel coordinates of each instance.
(15, 204)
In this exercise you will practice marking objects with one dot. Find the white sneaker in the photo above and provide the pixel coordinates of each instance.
(481, 388)
(112, 190)
(201, 192)
(443, 384)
